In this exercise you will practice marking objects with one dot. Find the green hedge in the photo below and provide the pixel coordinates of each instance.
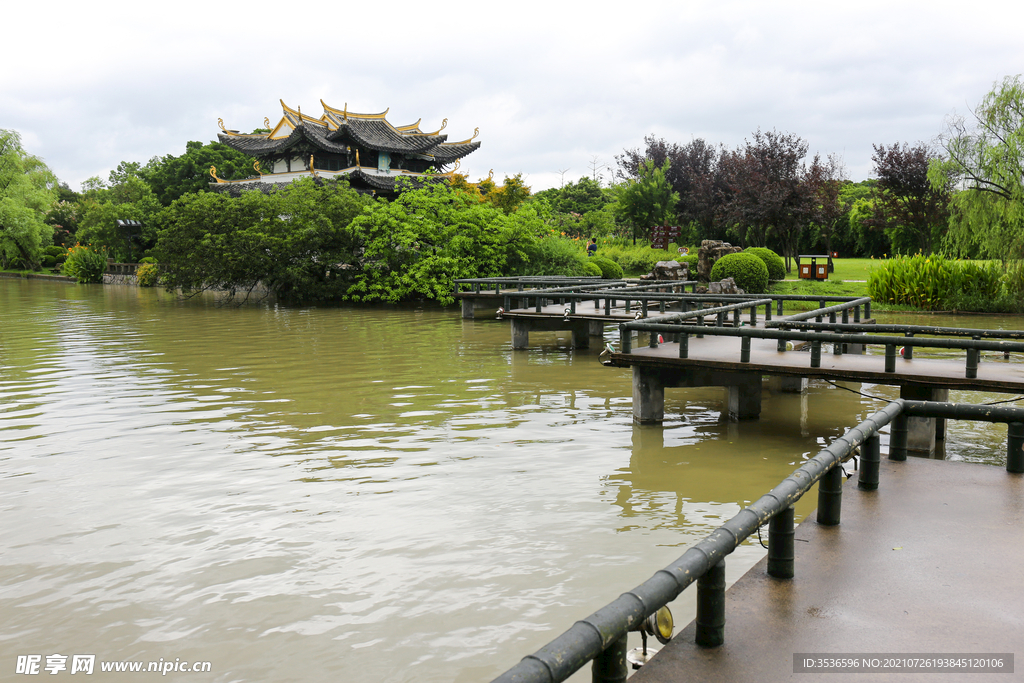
(747, 270)
(610, 270)
(776, 267)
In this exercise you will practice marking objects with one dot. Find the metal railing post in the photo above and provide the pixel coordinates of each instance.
(684, 345)
(781, 555)
(908, 351)
(710, 631)
(625, 339)
(1015, 447)
(890, 358)
(744, 349)
(870, 461)
(816, 353)
(830, 496)
(610, 666)
(972, 364)
(898, 438)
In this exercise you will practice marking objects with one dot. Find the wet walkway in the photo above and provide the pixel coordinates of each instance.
(931, 562)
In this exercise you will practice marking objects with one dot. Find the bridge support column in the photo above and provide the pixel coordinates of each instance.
(520, 333)
(596, 328)
(648, 396)
(923, 432)
(467, 307)
(786, 384)
(745, 398)
(580, 336)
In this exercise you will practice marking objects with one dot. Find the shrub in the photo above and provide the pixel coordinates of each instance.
(148, 275)
(591, 269)
(919, 281)
(609, 270)
(54, 251)
(776, 267)
(48, 261)
(552, 255)
(147, 259)
(747, 270)
(85, 264)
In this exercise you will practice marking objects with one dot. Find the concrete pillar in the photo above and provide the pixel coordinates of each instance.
(922, 432)
(596, 328)
(648, 396)
(787, 384)
(467, 307)
(520, 333)
(745, 398)
(580, 335)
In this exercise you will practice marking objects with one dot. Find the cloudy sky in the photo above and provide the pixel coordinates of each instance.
(552, 86)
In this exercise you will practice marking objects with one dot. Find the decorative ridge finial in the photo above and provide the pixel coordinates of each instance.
(256, 167)
(266, 122)
(220, 122)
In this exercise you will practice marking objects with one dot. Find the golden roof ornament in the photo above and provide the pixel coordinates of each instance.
(266, 122)
(256, 167)
(357, 158)
(220, 122)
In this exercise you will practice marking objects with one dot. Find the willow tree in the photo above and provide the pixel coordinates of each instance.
(27, 192)
(985, 162)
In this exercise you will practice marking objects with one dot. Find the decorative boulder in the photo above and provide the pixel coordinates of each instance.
(726, 286)
(710, 251)
(668, 270)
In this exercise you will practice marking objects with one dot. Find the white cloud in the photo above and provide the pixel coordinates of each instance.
(550, 85)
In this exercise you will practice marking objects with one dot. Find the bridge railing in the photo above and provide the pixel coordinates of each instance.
(907, 331)
(602, 636)
(973, 347)
(477, 285)
(642, 297)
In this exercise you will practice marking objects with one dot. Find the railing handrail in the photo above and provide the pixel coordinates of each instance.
(896, 328)
(828, 337)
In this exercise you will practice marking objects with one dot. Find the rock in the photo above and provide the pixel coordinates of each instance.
(726, 286)
(709, 252)
(671, 270)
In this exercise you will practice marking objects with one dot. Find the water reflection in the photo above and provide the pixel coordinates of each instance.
(307, 494)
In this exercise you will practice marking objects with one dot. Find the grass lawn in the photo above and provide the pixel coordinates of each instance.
(845, 269)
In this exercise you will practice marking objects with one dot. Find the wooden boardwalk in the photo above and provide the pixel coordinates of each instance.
(723, 353)
(929, 563)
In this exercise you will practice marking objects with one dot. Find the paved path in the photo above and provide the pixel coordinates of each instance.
(932, 562)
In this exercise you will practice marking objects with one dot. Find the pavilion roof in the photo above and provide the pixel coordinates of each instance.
(337, 129)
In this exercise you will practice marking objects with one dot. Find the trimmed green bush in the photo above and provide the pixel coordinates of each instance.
(747, 270)
(54, 251)
(148, 275)
(147, 259)
(48, 261)
(610, 270)
(591, 269)
(776, 267)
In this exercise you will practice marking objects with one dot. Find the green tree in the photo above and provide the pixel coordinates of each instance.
(27, 191)
(129, 199)
(417, 244)
(510, 195)
(171, 177)
(649, 200)
(293, 243)
(985, 158)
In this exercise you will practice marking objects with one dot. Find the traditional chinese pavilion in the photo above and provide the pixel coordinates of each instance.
(366, 148)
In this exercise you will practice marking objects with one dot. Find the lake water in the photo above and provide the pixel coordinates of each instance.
(352, 494)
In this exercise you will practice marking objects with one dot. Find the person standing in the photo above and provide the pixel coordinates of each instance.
(592, 247)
